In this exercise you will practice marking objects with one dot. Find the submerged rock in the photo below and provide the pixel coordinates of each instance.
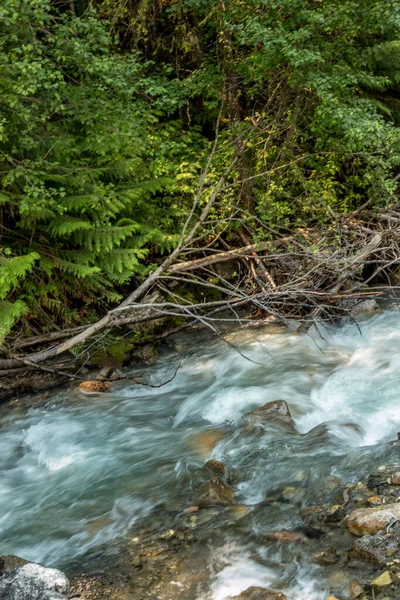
(258, 593)
(293, 495)
(329, 557)
(95, 386)
(276, 410)
(204, 442)
(215, 468)
(357, 591)
(335, 513)
(314, 521)
(395, 478)
(368, 521)
(34, 582)
(215, 493)
(285, 536)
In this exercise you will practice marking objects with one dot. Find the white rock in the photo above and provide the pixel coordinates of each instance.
(34, 582)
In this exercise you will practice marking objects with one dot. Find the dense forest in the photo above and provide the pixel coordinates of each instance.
(122, 119)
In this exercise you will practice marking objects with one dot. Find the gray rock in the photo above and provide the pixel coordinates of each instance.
(364, 307)
(377, 549)
(147, 355)
(258, 593)
(34, 582)
(276, 411)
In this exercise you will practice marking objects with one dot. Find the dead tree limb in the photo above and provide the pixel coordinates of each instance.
(217, 257)
(354, 264)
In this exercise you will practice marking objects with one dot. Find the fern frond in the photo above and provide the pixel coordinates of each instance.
(10, 312)
(66, 225)
(14, 269)
(120, 260)
(105, 239)
(76, 269)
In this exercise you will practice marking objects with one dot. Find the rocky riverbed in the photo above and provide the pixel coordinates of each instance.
(356, 540)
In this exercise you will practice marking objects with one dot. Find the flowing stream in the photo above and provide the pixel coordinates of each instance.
(80, 470)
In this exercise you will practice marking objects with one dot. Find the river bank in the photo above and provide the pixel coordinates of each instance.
(107, 482)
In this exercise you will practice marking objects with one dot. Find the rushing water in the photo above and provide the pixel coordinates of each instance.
(81, 470)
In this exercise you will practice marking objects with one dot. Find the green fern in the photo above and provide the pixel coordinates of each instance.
(12, 270)
(77, 269)
(10, 312)
(105, 238)
(65, 225)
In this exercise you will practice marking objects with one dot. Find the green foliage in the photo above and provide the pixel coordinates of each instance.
(12, 271)
(89, 158)
(322, 77)
(107, 117)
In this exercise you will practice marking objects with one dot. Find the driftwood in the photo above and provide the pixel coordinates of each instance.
(354, 264)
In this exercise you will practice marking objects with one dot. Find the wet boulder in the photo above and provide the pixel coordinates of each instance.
(258, 593)
(9, 563)
(329, 557)
(95, 385)
(147, 355)
(215, 493)
(368, 521)
(276, 411)
(34, 582)
(314, 521)
(215, 468)
(374, 501)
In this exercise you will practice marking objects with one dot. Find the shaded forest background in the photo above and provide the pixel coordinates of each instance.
(111, 109)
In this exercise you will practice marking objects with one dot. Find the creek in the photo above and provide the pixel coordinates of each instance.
(80, 470)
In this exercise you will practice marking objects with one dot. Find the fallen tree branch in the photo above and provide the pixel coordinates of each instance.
(354, 264)
(218, 257)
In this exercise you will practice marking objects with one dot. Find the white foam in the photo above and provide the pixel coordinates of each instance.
(236, 571)
(53, 446)
(239, 572)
